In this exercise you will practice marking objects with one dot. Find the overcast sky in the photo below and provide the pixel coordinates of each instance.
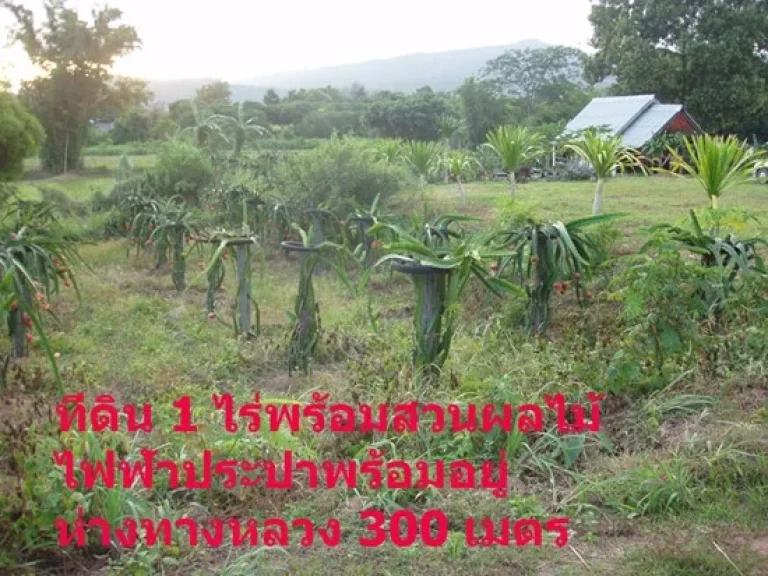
(240, 39)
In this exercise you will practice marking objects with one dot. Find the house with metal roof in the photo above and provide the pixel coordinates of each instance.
(636, 118)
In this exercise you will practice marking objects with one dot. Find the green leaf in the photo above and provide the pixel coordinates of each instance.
(572, 447)
(670, 340)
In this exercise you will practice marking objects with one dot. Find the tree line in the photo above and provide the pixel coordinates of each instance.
(708, 55)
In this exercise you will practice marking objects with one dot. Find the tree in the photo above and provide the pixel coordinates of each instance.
(422, 158)
(181, 112)
(240, 126)
(458, 165)
(271, 97)
(357, 92)
(717, 164)
(516, 147)
(528, 74)
(75, 58)
(214, 98)
(415, 116)
(481, 107)
(202, 128)
(133, 125)
(181, 169)
(448, 127)
(605, 155)
(706, 54)
(162, 127)
(20, 137)
(122, 95)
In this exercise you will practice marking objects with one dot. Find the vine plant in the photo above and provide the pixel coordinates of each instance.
(173, 222)
(238, 248)
(36, 259)
(440, 262)
(545, 254)
(305, 317)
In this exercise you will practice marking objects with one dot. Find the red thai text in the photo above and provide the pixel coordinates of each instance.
(212, 533)
(375, 471)
(321, 415)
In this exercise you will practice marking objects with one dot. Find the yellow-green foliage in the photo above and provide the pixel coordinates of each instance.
(20, 137)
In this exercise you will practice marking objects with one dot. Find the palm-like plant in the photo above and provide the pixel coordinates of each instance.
(516, 147)
(448, 126)
(203, 128)
(458, 165)
(546, 253)
(421, 157)
(390, 150)
(440, 265)
(239, 126)
(606, 155)
(716, 163)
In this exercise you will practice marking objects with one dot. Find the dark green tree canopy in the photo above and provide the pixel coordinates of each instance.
(121, 95)
(482, 109)
(710, 55)
(20, 137)
(271, 97)
(76, 57)
(529, 73)
(214, 98)
(414, 117)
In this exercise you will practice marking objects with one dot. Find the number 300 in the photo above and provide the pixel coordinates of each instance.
(405, 527)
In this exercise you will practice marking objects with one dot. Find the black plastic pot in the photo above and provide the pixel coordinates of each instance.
(230, 241)
(420, 269)
(292, 246)
(430, 285)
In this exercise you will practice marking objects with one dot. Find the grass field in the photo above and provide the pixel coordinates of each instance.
(671, 491)
(644, 200)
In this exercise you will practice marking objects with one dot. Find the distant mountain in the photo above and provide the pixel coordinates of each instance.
(442, 71)
(168, 91)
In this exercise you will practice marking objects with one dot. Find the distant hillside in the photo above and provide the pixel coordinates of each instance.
(442, 71)
(171, 90)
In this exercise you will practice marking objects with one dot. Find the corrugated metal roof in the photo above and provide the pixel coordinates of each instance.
(648, 124)
(636, 118)
(615, 113)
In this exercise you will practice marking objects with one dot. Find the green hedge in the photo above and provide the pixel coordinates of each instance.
(151, 148)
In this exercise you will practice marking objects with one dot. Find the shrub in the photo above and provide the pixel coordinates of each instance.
(606, 237)
(662, 313)
(130, 149)
(20, 137)
(339, 173)
(489, 160)
(574, 170)
(59, 199)
(181, 169)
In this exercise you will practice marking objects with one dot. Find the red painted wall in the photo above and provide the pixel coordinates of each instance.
(680, 123)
